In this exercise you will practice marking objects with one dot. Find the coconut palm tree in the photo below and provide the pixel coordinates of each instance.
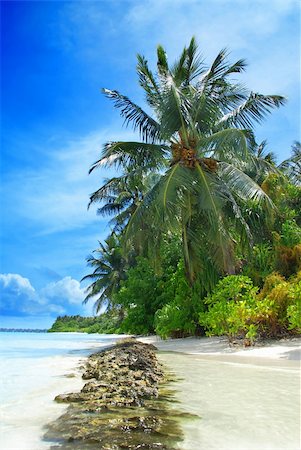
(109, 271)
(120, 196)
(201, 128)
(292, 165)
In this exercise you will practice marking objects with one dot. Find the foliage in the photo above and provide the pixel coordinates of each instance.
(278, 238)
(229, 307)
(106, 323)
(290, 233)
(260, 263)
(294, 308)
(288, 259)
(236, 310)
(292, 165)
(279, 299)
(178, 317)
(139, 295)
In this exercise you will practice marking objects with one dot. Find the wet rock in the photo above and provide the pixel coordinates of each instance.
(119, 407)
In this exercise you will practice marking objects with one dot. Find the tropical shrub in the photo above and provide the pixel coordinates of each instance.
(294, 308)
(288, 259)
(290, 233)
(139, 295)
(178, 317)
(271, 313)
(279, 304)
(234, 308)
(230, 307)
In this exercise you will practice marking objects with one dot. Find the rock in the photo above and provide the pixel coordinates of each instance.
(111, 411)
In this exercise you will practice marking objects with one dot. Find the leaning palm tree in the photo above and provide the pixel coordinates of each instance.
(292, 165)
(109, 271)
(120, 196)
(201, 128)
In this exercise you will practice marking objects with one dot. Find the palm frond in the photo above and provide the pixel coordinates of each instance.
(243, 186)
(255, 108)
(292, 165)
(148, 82)
(226, 144)
(148, 128)
(194, 63)
(131, 155)
(162, 63)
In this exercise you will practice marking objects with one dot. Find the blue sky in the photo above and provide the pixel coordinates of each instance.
(55, 57)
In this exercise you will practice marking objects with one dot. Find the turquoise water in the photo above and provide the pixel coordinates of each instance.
(41, 345)
(34, 368)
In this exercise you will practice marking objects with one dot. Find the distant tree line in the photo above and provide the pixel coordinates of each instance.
(105, 324)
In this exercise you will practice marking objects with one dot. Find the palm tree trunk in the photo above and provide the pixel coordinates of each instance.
(190, 275)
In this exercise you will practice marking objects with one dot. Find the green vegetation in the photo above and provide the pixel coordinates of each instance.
(235, 308)
(104, 324)
(206, 228)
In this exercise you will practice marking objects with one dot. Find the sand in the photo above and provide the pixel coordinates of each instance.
(218, 346)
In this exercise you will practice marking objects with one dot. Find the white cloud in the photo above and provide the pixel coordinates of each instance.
(17, 284)
(17, 295)
(67, 290)
(223, 23)
(19, 298)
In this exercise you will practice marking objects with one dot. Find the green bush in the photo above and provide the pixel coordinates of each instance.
(178, 317)
(294, 308)
(278, 309)
(140, 296)
(230, 307)
(260, 264)
(234, 308)
(290, 233)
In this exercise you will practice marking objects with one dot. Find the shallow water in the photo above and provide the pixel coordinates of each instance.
(241, 403)
(34, 368)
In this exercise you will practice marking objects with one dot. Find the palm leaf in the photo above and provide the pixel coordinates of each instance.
(243, 186)
(131, 155)
(147, 82)
(226, 144)
(148, 128)
(254, 109)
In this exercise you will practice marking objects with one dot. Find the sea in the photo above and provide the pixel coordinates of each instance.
(34, 368)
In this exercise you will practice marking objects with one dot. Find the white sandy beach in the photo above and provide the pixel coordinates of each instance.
(218, 346)
(242, 398)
